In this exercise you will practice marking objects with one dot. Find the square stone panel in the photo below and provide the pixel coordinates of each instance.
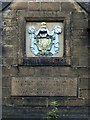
(26, 56)
(44, 42)
(43, 86)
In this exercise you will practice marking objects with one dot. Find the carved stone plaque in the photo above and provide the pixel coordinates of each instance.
(44, 44)
(43, 86)
(44, 39)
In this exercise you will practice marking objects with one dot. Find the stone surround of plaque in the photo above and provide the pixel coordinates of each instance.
(44, 43)
(40, 86)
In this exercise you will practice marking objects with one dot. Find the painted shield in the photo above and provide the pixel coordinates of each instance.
(43, 42)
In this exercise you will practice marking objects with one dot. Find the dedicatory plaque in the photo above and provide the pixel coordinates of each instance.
(44, 86)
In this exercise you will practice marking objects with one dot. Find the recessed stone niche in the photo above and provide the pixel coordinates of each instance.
(44, 39)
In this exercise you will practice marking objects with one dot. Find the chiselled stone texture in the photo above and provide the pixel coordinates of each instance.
(79, 39)
(43, 86)
(72, 78)
(0, 60)
(49, 71)
(34, 6)
(29, 112)
(67, 7)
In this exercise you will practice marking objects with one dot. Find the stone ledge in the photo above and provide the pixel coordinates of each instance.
(45, 101)
(33, 6)
(50, 6)
(19, 5)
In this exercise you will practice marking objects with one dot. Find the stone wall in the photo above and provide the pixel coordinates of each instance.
(72, 105)
(0, 62)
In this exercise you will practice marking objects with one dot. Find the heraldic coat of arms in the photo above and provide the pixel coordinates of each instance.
(44, 42)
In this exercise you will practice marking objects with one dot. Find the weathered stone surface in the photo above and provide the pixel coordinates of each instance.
(23, 71)
(76, 50)
(82, 42)
(10, 40)
(19, 5)
(78, 32)
(83, 61)
(79, 15)
(9, 14)
(1, 31)
(43, 15)
(6, 81)
(83, 93)
(9, 22)
(10, 30)
(84, 72)
(53, 6)
(83, 88)
(79, 24)
(62, 14)
(88, 61)
(6, 91)
(9, 51)
(58, 80)
(29, 112)
(83, 50)
(88, 50)
(67, 6)
(44, 101)
(27, 14)
(43, 86)
(83, 83)
(68, 102)
(48, 71)
(68, 60)
(34, 6)
(8, 61)
(8, 71)
(75, 61)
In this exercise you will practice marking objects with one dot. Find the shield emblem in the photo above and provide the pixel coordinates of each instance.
(43, 42)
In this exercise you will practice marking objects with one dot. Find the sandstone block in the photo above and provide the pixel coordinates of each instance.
(50, 6)
(44, 86)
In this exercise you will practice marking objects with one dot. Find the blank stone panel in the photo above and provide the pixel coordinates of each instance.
(43, 86)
